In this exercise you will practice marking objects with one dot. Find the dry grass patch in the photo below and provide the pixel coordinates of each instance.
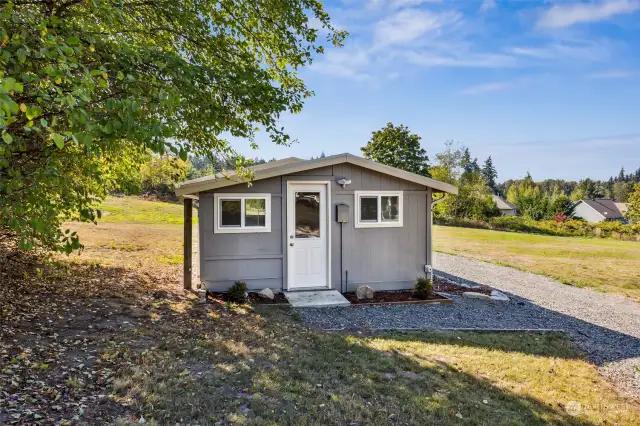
(602, 264)
(135, 210)
(130, 245)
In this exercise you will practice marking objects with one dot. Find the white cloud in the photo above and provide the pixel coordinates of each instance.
(614, 74)
(344, 63)
(589, 51)
(487, 5)
(487, 87)
(566, 15)
(408, 25)
(398, 4)
(467, 60)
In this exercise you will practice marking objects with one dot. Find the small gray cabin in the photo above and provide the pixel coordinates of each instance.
(330, 222)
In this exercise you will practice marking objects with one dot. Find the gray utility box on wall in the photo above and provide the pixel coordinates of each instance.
(342, 213)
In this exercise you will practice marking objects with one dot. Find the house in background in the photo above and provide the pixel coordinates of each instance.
(505, 207)
(598, 210)
(313, 224)
(623, 207)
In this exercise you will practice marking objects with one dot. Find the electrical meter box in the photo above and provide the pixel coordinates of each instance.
(342, 213)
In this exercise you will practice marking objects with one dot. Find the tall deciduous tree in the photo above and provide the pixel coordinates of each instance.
(490, 173)
(396, 146)
(88, 86)
(633, 212)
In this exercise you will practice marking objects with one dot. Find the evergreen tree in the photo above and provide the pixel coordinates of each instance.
(490, 173)
(465, 162)
(475, 168)
(621, 175)
(474, 199)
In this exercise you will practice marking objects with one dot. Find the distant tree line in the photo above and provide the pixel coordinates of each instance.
(160, 173)
(398, 147)
(548, 199)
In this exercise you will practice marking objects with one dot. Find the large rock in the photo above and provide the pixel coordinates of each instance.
(474, 295)
(266, 293)
(364, 292)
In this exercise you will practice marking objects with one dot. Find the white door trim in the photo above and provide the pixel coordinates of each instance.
(328, 219)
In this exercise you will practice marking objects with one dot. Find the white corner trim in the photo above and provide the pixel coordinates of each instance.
(242, 229)
(357, 223)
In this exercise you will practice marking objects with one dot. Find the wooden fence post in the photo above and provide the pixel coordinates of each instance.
(188, 242)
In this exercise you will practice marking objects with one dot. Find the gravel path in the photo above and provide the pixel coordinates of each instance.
(605, 326)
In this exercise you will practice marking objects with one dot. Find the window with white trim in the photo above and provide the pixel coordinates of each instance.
(241, 213)
(376, 209)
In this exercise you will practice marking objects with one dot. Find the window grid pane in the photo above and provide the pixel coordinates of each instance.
(255, 212)
(369, 209)
(390, 209)
(231, 213)
(307, 215)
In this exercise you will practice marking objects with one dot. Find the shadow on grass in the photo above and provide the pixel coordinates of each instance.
(157, 353)
(270, 369)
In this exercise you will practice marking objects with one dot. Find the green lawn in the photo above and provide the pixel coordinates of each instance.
(602, 264)
(133, 340)
(153, 351)
(135, 210)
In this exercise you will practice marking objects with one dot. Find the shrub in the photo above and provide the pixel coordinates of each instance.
(560, 226)
(238, 292)
(560, 217)
(423, 287)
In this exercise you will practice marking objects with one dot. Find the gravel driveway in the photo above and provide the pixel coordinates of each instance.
(605, 326)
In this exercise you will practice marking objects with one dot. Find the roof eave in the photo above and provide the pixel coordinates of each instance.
(195, 187)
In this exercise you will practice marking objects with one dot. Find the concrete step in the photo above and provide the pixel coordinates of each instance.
(316, 299)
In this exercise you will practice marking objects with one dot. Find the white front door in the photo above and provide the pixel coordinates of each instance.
(307, 235)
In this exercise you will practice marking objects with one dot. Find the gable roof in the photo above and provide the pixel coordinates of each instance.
(296, 165)
(502, 203)
(606, 207)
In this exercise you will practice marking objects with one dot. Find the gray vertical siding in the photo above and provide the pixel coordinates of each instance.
(384, 258)
(255, 258)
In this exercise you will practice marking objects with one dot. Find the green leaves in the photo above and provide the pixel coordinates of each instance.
(396, 146)
(87, 88)
(58, 140)
(33, 111)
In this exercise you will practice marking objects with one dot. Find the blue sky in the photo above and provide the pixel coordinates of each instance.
(549, 87)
